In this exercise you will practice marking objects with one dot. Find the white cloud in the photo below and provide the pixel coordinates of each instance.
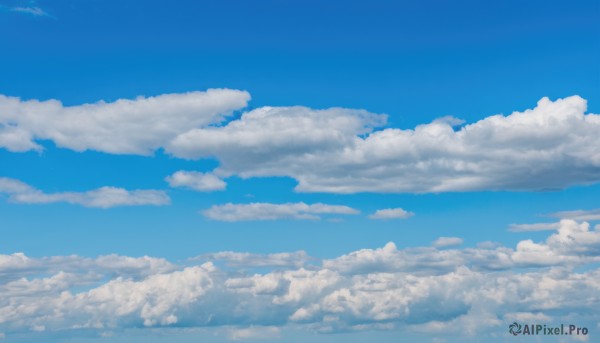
(391, 213)
(336, 150)
(589, 215)
(254, 332)
(33, 10)
(267, 211)
(104, 197)
(443, 242)
(414, 289)
(125, 126)
(203, 182)
(572, 244)
(18, 265)
(237, 259)
(269, 137)
(533, 227)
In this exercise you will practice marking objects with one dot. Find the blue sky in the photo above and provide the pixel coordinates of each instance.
(146, 128)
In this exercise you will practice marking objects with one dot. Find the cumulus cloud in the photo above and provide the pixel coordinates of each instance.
(203, 182)
(391, 213)
(414, 289)
(125, 126)
(572, 244)
(337, 150)
(443, 242)
(104, 197)
(267, 211)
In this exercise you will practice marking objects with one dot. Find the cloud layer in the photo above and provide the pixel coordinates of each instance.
(337, 150)
(104, 197)
(459, 292)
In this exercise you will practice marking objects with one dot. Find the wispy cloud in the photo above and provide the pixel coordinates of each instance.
(444, 242)
(590, 215)
(33, 10)
(238, 259)
(254, 332)
(267, 211)
(533, 227)
(104, 197)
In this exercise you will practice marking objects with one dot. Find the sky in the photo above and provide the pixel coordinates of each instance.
(292, 170)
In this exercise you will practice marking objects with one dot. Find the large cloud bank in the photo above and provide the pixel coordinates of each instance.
(337, 150)
(463, 292)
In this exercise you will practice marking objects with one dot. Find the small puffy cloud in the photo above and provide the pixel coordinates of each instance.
(391, 213)
(267, 211)
(582, 215)
(104, 197)
(443, 242)
(203, 182)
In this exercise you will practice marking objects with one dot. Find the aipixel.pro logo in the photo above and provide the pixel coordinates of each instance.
(516, 329)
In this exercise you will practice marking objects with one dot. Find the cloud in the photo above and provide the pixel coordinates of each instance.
(391, 213)
(443, 242)
(420, 289)
(138, 126)
(533, 227)
(237, 259)
(18, 266)
(254, 332)
(573, 244)
(32, 10)
(267, 211)
(591, 215)
(203, 182)
(104, 197)
(338, 150)
(335, 150)
(266, 135)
